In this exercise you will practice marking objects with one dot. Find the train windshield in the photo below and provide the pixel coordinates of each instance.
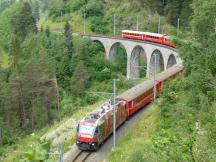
(86, 129)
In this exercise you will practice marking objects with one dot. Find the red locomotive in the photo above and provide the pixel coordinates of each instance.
(93, 129)
(148, 36)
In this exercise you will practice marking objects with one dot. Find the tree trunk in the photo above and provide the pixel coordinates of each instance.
(23, 113)
(32, 112)
(57, 96)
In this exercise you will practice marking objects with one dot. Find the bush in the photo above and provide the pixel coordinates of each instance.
(99, 25)
(94, 8)
(37, 151)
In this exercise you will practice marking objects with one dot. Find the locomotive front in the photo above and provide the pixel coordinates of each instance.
(85, 138)
(92, 129)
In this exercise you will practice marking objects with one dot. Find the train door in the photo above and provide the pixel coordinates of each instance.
(122, 112)
(110, 122)
(118, 115)
(106, 121)
(159, 86)
(99, 133)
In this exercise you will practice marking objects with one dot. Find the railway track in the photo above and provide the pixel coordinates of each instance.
(81, 156)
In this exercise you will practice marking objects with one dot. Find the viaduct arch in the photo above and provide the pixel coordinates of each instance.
(140, 55)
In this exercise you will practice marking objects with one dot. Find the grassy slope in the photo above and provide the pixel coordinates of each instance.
(175, 130)
(75, 20)
(128, 148)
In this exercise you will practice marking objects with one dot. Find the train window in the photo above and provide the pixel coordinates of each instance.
(86, 129)
(141, 97)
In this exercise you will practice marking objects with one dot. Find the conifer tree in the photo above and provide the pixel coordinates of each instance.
(79, 80)
(15, 51)
(36, 11)
(24, 22)
(47, 31)
(68, 39)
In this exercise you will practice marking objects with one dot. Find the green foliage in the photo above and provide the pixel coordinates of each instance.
(6, 31)
(185, 130)
(80, 79)
(5, 4)
(56, 70)
(68, 40)
(37, 151)
(24, 22)
(99, 15)
(58, 9)
(203, 22)
(94, 8)
(174, 9)
(120, 61)
(76, 5)
(36, 11)
(99, 25)
(15, 51)
(138, 141)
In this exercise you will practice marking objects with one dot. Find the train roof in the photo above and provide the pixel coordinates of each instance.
(137, 90)
(146, 33)
(96, 115)
(148, 84)
(169, 72)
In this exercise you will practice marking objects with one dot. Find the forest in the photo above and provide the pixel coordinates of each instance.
(46, 76)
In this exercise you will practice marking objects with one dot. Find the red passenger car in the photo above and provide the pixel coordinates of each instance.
(93, 129)
(148, 36)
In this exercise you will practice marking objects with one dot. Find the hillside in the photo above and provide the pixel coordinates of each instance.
(98, 15)
(46, 77)
(185, 125)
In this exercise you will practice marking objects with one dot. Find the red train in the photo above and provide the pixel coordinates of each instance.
(93, 129)
(147, 36)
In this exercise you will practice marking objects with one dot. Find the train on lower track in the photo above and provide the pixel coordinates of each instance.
(148, 36)
(96, 127)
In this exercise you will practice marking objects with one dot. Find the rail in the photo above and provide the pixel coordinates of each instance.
(81, 156)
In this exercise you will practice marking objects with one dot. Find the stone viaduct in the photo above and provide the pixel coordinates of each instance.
(165, 56)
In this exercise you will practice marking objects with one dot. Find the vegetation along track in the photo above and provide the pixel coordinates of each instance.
(81, 156)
